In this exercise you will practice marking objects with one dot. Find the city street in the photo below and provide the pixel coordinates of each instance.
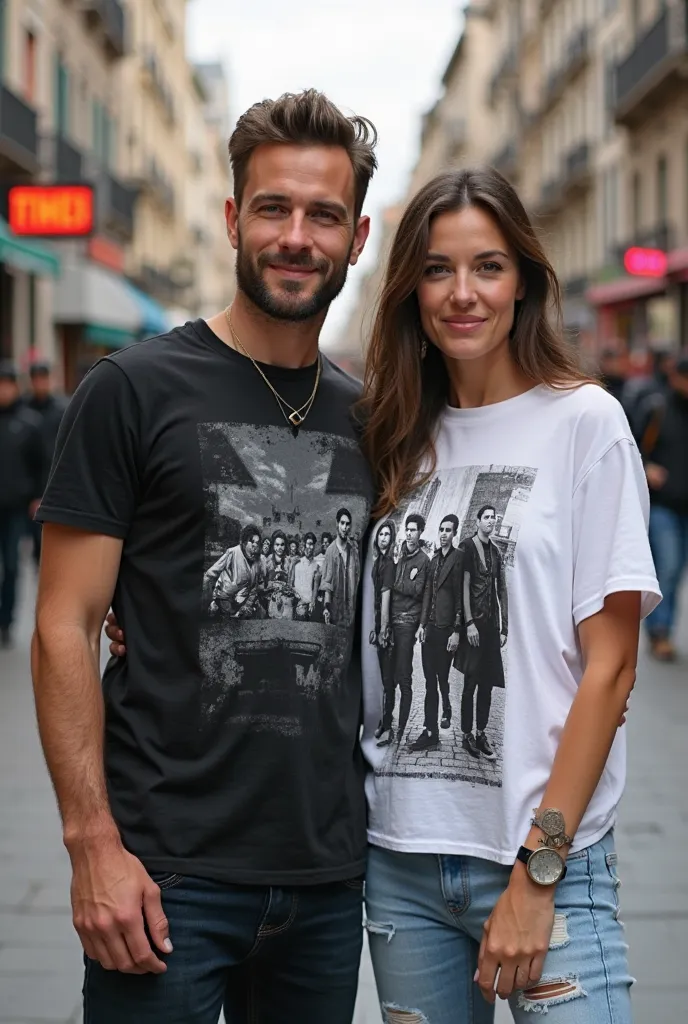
(40, 968)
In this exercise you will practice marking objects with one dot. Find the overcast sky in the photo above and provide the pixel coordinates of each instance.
(380, 58)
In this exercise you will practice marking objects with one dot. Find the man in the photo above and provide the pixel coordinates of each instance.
(485, 620)
(204, 845)
(383, 573)
(340, 575)
(22, 466)
(319, 611)
(612, 373)
(439, 631)
(304, 578)
(642, 394)
(664, 448)
(407, 607)
(50, 407)
(231, 585)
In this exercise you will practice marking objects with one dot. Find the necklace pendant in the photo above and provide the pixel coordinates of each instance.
(295, 419)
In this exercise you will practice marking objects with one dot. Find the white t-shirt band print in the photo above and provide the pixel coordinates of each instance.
(552, 506)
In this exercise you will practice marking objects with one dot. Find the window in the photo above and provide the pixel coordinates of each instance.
(61, 97)
(662, 184)
(637, 203)
(29, 66)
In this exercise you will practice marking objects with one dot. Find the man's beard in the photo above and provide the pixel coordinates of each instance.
(251, 282)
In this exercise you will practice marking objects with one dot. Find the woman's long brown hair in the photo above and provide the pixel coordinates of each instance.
(404, 394)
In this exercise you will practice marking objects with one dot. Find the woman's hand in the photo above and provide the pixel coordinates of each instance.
(115, 636)
(516, 937)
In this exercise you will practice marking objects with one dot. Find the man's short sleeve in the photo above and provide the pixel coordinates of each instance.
(94, 480)
(611, 548)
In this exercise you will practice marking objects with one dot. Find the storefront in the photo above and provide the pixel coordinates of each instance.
(23, 263)
(640, 313)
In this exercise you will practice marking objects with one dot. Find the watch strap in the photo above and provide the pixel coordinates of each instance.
(524, 855)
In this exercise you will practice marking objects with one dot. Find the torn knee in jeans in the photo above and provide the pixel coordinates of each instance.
(392, 1014)
(549, 992)
(374, 928)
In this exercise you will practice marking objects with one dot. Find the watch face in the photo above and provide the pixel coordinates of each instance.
(552, 822)
(545, 866)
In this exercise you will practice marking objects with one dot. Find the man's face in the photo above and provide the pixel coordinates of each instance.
(296, 233)
(266, 546)
(279, 546)
(9, 392)
(252, 547)
(446, 534)
(324, 544)
(384, 539)
(344, 527)
(412, 536)
(486, 523)
(41, 385)
(310, 547)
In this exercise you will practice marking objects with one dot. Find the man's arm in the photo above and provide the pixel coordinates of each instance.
(503, 595)
(414, 587)
(110, 886)
(427, 600)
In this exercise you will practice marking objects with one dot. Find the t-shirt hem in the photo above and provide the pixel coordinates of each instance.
(243, 876)
(507, 858)
(646, 585)
(81, 520)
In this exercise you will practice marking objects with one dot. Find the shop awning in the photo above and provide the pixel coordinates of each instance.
(153, 317)
(30, 256)
(100, 300)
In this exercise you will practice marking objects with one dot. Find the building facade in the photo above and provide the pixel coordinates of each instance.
(100, 93)
(583, 105)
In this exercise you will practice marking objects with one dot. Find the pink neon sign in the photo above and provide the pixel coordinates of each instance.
(645, 262)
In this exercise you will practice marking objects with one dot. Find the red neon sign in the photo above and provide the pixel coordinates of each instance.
(645, 262)
(51, 210)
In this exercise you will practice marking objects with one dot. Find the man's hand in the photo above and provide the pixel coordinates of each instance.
(473, 635)
(420, 635)
(112, 898)
(516, 938)
(453, 643)
(115, 636)
(372, 638)
(656, 475)
(327, 616)
(502, 639)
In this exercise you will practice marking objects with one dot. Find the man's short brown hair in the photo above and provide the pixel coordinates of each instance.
(305, 118)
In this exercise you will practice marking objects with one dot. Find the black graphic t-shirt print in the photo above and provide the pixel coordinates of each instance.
(232, 724)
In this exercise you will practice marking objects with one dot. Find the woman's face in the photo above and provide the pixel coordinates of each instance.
(384, 539)
(469, 286)
(266, 546)
(279, 546)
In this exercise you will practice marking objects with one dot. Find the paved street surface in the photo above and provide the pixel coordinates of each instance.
(40, 968)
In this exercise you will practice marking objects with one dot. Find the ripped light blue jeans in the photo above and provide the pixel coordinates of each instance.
(425, 915)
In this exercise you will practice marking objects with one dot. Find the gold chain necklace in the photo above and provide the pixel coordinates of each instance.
(296, 416)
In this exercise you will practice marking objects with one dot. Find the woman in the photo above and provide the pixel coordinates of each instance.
(380, 637)
(475, 412)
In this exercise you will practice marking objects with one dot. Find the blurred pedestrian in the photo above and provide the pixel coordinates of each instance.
(50, 407)
(612, 373)
(641, 394)
(22, 461)
(664, 447)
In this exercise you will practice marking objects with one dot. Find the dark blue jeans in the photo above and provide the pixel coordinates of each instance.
(11, 533)
(669, 543)
(267, 955)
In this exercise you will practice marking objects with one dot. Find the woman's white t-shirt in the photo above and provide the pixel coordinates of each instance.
(565, 479)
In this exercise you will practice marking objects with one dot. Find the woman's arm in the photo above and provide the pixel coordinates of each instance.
(517, 933)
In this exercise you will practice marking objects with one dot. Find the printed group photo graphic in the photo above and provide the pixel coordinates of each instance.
(284, 523)
(441, 591)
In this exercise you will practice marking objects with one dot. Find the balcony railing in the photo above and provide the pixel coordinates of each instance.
(657, 64)
(577, 163)
(119, 206)
(18, 132)
(68, 160)
(575, 58)
(109, 14)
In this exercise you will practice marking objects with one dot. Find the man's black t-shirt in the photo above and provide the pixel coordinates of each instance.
(231, 726)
